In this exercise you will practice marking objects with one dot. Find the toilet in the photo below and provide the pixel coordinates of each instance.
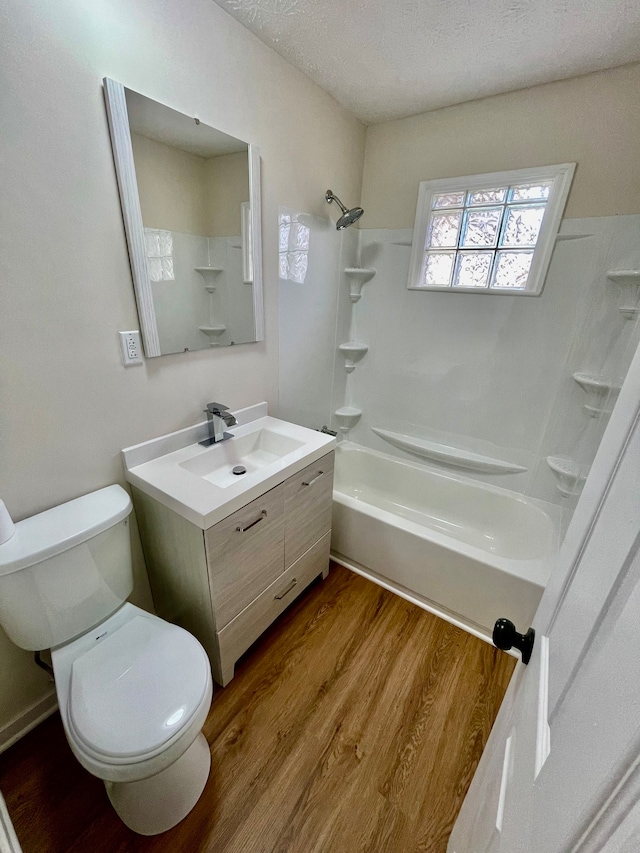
(133, 690)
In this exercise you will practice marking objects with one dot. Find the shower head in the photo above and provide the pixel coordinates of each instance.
(348, 216)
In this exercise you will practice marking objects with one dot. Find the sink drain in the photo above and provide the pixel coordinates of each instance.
(239, 469)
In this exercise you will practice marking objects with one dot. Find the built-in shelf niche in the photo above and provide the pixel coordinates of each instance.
(597, 390)
(209, 274)
(568, 475)
(629, 283)
(352, 352)
(357, 277)
(347, 417)
(214, 330)
(455, 457)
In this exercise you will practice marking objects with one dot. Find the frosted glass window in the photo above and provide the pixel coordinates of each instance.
(488, 233)
(522, 225)
(443, 230)
(512, 269)
(438, 267)
(481, 226)
(159, 251)
(448, 200)
(294, 238)
(487, 197)
(472, 269)
(530, 192)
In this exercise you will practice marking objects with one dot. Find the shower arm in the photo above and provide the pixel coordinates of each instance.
(329, 196)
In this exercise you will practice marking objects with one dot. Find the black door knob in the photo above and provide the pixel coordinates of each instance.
(506, 637)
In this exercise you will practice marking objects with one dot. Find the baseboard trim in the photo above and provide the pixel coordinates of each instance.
(418, 600)
(27, 720)
(8, 839)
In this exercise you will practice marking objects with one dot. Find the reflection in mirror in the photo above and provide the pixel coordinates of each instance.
(190, 197)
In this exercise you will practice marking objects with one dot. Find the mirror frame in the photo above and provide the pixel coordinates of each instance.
(120, 132)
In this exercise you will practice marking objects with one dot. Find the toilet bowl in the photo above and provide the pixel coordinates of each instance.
(133, 690)
(133, 695)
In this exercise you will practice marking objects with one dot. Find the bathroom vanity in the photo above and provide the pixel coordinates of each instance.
(226, 554)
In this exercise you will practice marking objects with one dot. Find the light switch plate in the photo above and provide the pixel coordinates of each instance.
(130, 348)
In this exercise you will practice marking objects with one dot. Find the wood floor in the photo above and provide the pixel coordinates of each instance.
(353, 726)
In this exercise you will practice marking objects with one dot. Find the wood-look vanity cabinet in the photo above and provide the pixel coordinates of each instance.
(227, 584)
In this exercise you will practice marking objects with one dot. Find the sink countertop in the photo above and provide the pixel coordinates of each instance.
(156, 467)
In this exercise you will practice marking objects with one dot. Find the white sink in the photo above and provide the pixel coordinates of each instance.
(198, 482)
(254, 450)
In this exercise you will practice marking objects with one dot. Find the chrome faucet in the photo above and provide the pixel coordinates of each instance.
(218, 416)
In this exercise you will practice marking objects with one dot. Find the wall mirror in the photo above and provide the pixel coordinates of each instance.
(190, 199)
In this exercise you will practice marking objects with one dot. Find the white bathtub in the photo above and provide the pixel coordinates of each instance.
(469, 552)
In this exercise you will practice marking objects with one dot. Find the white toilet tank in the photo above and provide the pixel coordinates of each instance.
(66, 569)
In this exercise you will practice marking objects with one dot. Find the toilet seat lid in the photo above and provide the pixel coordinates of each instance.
(137, 688)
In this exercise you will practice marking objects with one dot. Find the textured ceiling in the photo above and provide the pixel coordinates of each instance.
(385, 59)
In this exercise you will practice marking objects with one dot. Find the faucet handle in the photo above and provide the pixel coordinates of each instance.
(216, 408)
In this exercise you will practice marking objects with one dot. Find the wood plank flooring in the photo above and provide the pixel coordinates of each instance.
(354, 725)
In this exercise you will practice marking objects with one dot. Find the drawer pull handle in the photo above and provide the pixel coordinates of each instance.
(311, 482)
(286, 591)
(261, 517)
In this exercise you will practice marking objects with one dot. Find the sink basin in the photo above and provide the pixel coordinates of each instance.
(252, 451)
(198, 482)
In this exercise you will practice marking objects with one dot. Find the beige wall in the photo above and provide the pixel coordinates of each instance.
(68, 405)
(592, 120)
(171, 185)
(227, 180)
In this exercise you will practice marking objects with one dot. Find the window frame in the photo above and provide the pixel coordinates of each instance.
(560, 175)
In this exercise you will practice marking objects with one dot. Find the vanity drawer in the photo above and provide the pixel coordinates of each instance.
(245, 553)
(245, 629)
(308, 500)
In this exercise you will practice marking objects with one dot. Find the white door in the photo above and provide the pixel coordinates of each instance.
(561, 771)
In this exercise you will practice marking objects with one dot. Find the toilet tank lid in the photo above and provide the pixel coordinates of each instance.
(62, 527)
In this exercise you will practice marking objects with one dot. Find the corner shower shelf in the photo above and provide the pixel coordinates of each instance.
(567, 473)
(452, 456)
(214, 330)
(597, 390)
(358, 276)
(347, 417)
(629, 281)
(209, 274)
(352, 352)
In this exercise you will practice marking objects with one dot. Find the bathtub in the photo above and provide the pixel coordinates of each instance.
(469, 552)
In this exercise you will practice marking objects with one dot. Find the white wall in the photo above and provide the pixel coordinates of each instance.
(310, 315)
(68, 405)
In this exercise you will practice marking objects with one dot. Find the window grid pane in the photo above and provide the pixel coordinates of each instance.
(448, 200)
(530, 192)
(511, 270)
(437, 269)
(486, 197)
(481, 227)
(473, 269)
(505, 218)
(522, 225)
(444, 229)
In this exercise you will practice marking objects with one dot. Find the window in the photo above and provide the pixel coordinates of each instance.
(294, 248)
(488, 233)
(159, 246)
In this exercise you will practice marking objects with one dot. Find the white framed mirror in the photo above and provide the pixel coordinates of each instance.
(190, 198)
